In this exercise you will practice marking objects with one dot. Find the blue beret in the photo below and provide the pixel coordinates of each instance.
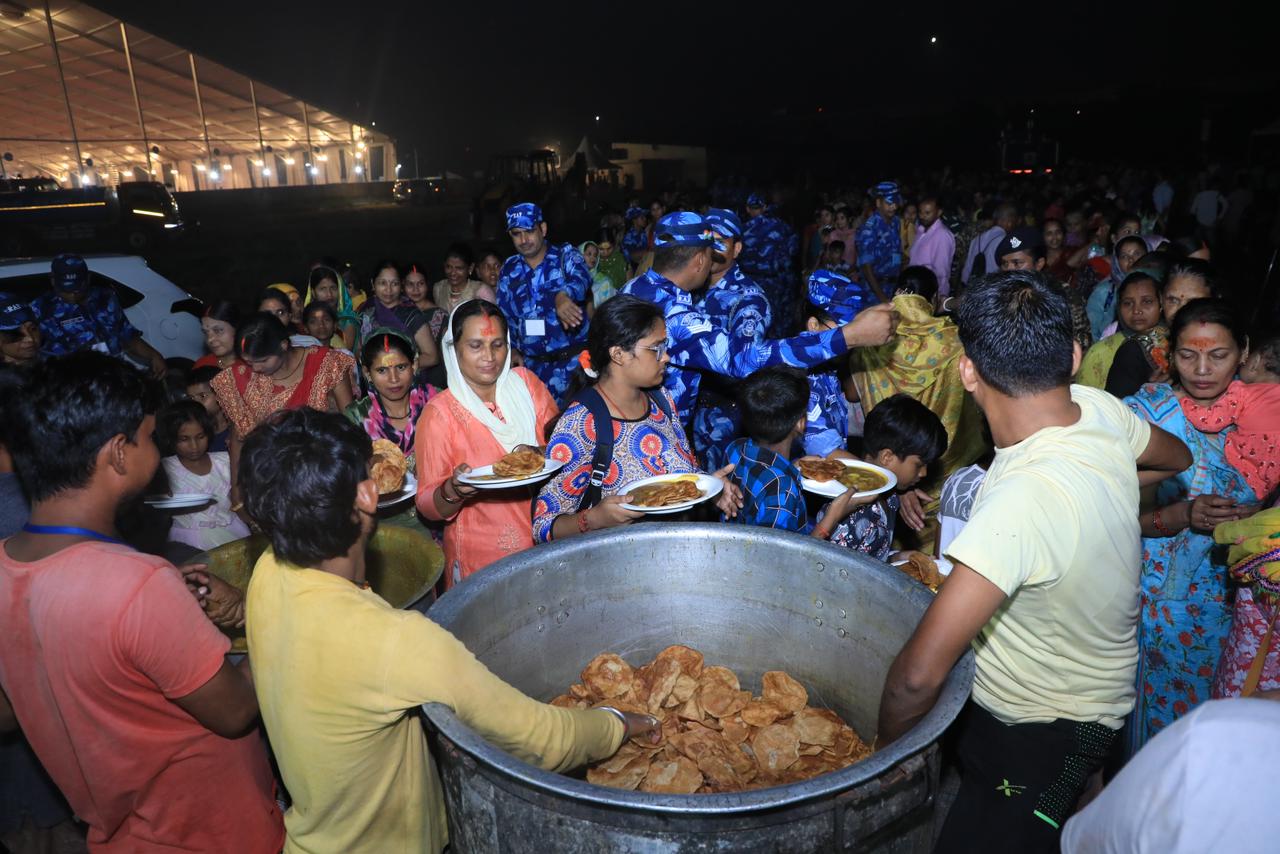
(524, 215)
(14, 311)
(683, 228)
(756, 200)
(888, 190)
(633, 212)
(842, 298)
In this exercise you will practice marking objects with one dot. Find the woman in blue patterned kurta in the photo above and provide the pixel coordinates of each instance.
(1184, 618)
(626, 356)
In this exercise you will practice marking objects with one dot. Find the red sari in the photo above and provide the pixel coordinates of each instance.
(248, 398)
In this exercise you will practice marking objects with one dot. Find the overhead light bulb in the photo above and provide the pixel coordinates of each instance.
(266, 173)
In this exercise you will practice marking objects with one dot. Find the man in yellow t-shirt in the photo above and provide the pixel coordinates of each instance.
(339, 672)
(1045, 585)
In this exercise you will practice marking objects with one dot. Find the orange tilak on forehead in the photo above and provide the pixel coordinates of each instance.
(490, 328)
(387, 358)
(1202, 343)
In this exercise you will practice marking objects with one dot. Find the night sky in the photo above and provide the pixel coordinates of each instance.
(464, 79)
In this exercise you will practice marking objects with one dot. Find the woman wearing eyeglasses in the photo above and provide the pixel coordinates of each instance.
(624, 363)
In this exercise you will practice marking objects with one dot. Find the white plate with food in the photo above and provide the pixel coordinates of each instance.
(518, 468)
(671, 493)
(833, 478)
(407, 491)
(179, 501)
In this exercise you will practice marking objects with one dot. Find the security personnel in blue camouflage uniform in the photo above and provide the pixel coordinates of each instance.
(769, 248)
(879, 242)
(833, 300)
(542, 290)
(636, 241)
(739, 306)
(682, 262)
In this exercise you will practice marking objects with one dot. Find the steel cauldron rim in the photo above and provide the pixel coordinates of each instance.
(955, 692)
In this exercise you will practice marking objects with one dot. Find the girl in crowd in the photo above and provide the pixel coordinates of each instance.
(295, 304)
(488, 410)
(387, 310)
(601, 285)
(219, 324)
(272, 375)
(1060, 263)
(612, 272)
(457, 286)
(394, 403)
(1138, 306)
(1101, 305)
(907, 228)
(1184, 618)
(326, 285)
(488, 268)
(275, 302)
(183, 432)
(626, 356)
(845, 233)
(417, 290)
(321, 323)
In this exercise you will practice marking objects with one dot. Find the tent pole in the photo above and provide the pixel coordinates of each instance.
(137, 102)
(66, 95)
(195, 81)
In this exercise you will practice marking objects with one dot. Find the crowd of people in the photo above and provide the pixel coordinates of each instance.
(1071, 405)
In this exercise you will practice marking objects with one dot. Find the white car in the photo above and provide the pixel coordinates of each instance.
(167, 316)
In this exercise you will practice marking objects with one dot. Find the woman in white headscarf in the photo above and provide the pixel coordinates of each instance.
(488, 410)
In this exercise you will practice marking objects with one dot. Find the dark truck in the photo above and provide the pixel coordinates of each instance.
(37, 215)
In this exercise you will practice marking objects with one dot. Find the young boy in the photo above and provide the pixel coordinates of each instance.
(200, 389)
(119, 681)
(903, 436)
(833, 258)
(833, 301)
(772, 402)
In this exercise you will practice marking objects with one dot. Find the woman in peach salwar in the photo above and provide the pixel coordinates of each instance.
(488, 410)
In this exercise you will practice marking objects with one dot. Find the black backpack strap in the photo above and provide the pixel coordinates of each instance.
(603, 456)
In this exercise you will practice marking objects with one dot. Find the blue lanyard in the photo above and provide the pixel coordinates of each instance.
(71, 530)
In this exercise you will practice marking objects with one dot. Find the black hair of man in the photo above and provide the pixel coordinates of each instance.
(69, 407)
(674, 257)
(919, 280)
(1015, 326)
(203, 375)
(905, 426)
(169, 421)
(299, 470)
(773, 401)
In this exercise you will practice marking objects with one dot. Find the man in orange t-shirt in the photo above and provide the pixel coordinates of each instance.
(108, 664)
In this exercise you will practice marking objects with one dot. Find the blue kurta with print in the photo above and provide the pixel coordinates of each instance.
(96, 323)
(770, 488)
(826, 423)
(528, 299)
(769, 248)
(634, 245)
(737, 305)
(879, 243)
(700, 344)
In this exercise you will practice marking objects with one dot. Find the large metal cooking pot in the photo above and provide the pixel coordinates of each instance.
(751, 599)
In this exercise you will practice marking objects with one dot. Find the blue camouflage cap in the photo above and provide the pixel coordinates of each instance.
(842, 298)
(70, 272)
(756, 200)
(888, 190)
(683, 228)
(524, 215)
(726, 225)
(14, 311)
(633, 212)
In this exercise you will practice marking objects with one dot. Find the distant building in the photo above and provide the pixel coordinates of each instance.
(650, 165)
(106, 102)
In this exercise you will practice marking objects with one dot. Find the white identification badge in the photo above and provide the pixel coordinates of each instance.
(535, 327)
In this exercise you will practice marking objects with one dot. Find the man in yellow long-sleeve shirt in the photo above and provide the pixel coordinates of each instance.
(338, 670)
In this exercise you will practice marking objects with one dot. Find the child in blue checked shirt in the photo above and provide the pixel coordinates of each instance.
(905, 437)
(773, 403)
